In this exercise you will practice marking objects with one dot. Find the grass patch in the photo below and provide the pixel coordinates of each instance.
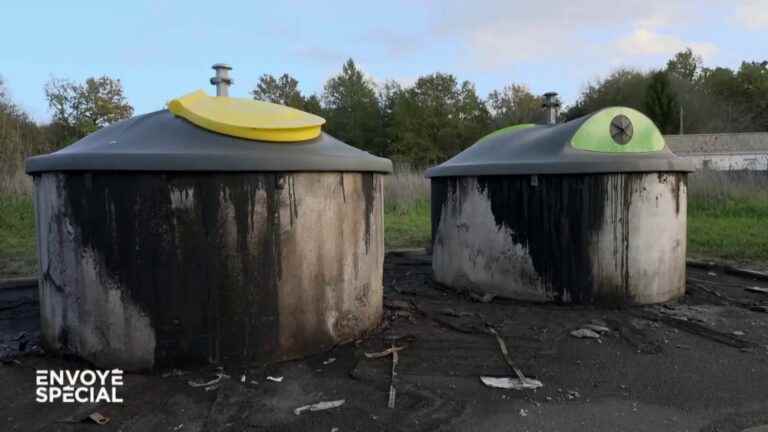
(729, 229)
(407, 225)
(17, 236)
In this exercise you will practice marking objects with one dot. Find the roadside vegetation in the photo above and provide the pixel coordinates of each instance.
(406, 209)
(728, 216)
(17, 236)
(727, 219)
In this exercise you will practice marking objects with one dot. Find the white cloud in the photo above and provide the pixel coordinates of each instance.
(643, 41)
(498, 33)
(753, 14)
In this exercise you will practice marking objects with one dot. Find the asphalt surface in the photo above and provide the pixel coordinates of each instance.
(698, 364)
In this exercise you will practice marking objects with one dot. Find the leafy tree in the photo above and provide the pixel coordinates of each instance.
(312, 105)
(514, 104)
(436, 118)
(283, 90)
(79, 109)
(685, 65)
(389, 95)
(660, 103)
(624, 87)
(20, 137)
(352, 109)
(474, 119)
(752, 93)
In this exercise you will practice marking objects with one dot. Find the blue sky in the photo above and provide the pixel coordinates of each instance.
(163, 49)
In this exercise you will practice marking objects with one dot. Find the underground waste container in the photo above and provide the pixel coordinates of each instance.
(218, 229)
(588, 211)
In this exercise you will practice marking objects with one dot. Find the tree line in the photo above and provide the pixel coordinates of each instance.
(435, 117)
(686, 97)
(421, 124)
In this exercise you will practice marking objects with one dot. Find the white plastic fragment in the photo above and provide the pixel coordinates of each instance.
(585, 333)
(329, 361)
(511, 383)
(319, 406)
(275, 379)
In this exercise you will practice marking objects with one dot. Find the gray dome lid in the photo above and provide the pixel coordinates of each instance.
(160, 141)
(612, 140)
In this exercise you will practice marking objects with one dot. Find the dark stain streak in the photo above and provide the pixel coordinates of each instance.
(559, 221)
(369, 189)
(555, 221)
(204, 302)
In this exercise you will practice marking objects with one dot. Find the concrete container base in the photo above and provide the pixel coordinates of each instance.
(141, 270)
(602, 238)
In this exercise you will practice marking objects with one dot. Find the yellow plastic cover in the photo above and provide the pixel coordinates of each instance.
(247, 118)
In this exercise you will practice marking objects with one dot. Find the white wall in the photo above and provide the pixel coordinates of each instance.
(723, 151)
(726, 162)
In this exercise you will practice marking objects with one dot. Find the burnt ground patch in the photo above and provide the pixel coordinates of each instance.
(700, 363)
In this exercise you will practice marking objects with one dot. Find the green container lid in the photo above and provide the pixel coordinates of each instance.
(612, 140)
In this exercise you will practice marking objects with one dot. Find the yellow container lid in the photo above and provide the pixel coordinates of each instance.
(247, 118)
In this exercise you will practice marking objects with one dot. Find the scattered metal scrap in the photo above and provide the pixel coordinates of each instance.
(98, 418)
(746, 272)
(597, 327)
(208, 384)
(755, 289)
(384, 353)
(319, 406)
(393, 351)
(521, 382)
(511, 383)
(585, 333)
(392, 390)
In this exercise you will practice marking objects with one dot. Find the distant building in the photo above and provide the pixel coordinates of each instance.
(724, 151)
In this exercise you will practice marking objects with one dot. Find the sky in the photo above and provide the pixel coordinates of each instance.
(164, 49)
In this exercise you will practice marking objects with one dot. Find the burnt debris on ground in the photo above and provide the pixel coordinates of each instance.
(700, 363)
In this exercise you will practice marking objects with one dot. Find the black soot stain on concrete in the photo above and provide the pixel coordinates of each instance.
(206, 300)
(369, 185)
(557, 220)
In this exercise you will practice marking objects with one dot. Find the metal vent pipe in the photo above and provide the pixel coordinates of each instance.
(552, 104)
(222, 81)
